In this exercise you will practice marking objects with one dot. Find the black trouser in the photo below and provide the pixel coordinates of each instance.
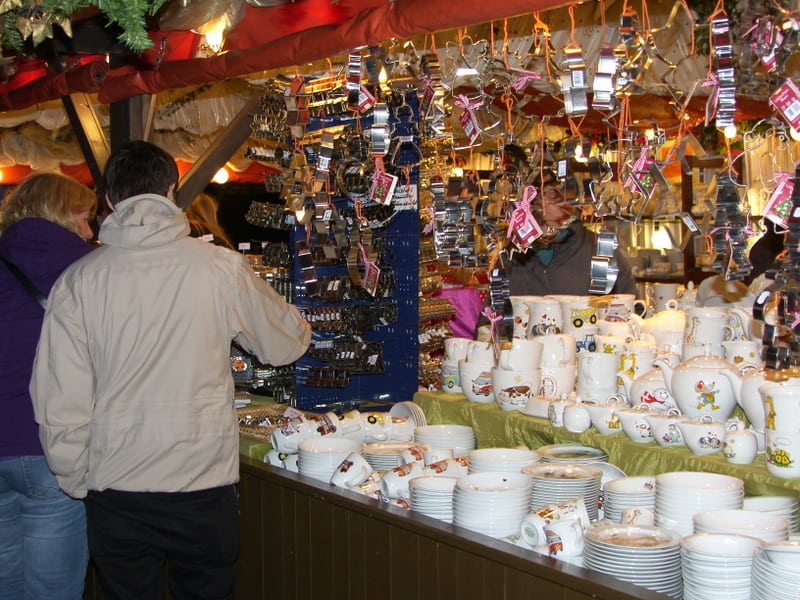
(132, 534)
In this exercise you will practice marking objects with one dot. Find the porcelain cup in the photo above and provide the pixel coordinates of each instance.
(578, 312)
(635, 425)
(522, 314)
(703, 435)
(596, 371)
(783, 453)
(557, 381)
(546, 317)
(522, 354)
(558, 350)
(665, 427)
(781, 405)
(353, 470)
(744, 355)
(434, 455)
(476, 381)
(394, 483)
(451, 382)
(564, 538)
(663, 296)
(512, 389)
(604, 418)
(455, 348)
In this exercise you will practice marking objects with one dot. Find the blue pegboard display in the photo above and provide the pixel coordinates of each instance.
(363, 348)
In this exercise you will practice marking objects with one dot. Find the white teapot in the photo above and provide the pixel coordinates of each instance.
(701, 385)
(666, 328)
(648, 388)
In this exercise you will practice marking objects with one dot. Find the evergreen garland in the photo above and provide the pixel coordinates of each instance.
(23, 19)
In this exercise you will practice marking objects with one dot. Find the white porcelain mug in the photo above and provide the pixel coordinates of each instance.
(521, 355)
(558, 350)
(564, 538)
(744, 355)
(596, 371)
(455, 348)
(394, 483)
(522, 314)
(578, 312)
(512, 389)
(546, 316)
(557, 381)
(663, 296)
(476, 381)
(353, 470)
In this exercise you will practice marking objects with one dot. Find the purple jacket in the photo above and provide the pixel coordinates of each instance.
(42, 250)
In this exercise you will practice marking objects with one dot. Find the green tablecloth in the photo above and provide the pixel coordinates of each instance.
(495, 427)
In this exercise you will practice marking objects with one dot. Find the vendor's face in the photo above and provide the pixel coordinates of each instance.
(555, 211)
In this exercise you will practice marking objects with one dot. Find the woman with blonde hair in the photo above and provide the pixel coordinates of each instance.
(202, 214)
(44, 227)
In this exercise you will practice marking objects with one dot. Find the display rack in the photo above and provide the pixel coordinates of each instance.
(395, 378)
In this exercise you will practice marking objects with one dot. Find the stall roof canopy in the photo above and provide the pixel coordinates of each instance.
(278, 35)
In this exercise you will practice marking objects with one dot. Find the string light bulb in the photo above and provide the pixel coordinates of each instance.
(221, 176)
(730, 132)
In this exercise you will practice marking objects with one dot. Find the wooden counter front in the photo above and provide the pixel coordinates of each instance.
(307, 540)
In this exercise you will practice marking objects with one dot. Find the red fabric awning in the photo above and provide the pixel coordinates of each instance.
(270, 38)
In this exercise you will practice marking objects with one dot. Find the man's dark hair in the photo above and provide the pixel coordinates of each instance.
(138, 168)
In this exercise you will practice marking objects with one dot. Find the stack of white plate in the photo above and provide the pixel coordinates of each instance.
(681, 494)
(461, 438)
(782, 506)
(383, 456)
(492, 503)
(501, 460)
(649, 557)
(717, 566)
(776, 572)
(571, 453)
(560, 482)
(320, 457)
(628, 492)
(433, 496)
(764, 526)
(411, 410)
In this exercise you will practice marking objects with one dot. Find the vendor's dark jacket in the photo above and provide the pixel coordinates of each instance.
(569, 271)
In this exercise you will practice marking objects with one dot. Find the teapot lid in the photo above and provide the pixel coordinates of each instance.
(706, 360)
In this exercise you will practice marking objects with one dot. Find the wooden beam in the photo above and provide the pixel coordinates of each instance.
(91, 137)
(225, 144)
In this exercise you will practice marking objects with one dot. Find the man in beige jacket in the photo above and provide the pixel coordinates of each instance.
(132, 387)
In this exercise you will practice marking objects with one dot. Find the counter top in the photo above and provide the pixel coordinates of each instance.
(495, 427)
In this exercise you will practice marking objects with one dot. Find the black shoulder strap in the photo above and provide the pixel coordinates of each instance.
(26, 283)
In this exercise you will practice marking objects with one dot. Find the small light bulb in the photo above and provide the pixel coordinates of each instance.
(794, 134)
(730, 132)
(221, 176)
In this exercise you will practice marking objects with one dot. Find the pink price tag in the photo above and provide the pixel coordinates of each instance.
(786, 100)
(371, 277)
(523, 229)
(470, 125)
(780, 202)
(383, 185)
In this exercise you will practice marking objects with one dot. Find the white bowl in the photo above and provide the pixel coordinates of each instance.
(722, 544)
(495, 482)
(785, 553)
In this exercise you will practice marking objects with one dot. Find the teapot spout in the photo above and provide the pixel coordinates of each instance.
(735, 380)
(667, 370)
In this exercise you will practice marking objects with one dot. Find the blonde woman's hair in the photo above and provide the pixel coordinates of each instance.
(50, 196)
(202, 212)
